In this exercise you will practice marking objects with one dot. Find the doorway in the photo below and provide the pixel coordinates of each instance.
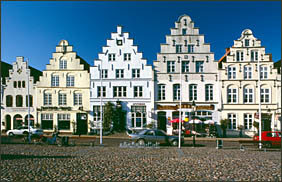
(82, 126)
(8, 122)
(162, 120)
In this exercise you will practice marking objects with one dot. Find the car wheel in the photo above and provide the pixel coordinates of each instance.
(25, 133)
(11, 134)
(174, 143)
(141, 142)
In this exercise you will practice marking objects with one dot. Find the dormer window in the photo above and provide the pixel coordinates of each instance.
(63, 64)
(119, 42)
(247, 42)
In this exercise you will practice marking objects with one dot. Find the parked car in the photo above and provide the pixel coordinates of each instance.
(154, 135)
(269, 138)
(23, 130)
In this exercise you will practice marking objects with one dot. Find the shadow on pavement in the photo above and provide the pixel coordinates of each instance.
(12, 156)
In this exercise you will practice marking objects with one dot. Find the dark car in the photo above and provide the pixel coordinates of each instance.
(154, 135)
(269, 138)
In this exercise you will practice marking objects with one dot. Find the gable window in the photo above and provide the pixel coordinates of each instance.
(178, 48)
(247, 42)
(209, 92)
(119, 91)
(185, 66)
(135, 73)
(161, 92)
(231, 72)
(170, 66)
(232, 121)
(62, 99)
(248, 95)
(104, 73)
(70, 81)
(263, 72)
(119, 73)
(119, 42)
(239, 55)
(9, 101)
(63, 64)
(247, 72)
(176, 92)
(55, 81)
(126, 56)
(190, 48)
(77, 99)
(138, 91)
(231, 95)
(265, 95)
(248, 121)
(199, 66)
(47, 100)
(184, 31)
(19, 101)
(192, 92)
(99, 91)
(254, 55)
(111, 57)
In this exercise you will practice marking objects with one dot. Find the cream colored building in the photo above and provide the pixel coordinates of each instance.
(63, 92)
(239, 82)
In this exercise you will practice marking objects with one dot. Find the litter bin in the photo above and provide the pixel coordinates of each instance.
(65, 141)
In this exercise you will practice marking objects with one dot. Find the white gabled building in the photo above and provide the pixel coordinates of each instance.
(14, 109)
(63, 92)
(126, 77)
(185, 48)
(239, 69)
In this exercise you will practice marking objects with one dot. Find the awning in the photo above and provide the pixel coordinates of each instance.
(176, 120)
(209, 122)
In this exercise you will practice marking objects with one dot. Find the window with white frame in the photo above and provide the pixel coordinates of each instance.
(176, 92)
(161, 92)
(119, 73)
(138, 91)
(47, 99)
(239, 55)
(47, 121)
(190, 48)
(55, 80)
(232, 121)
(247, 72)
(254, 55)
(170, 66)
(247, 42)
(135, 73)
(178, 48)
(248, 95)
(63, 64)
(231, 95)
(263, 72)
(99, 91)
(70, 81)
(231, 72)
(111, 57)
(126, 56)
(209, 92)
(192, 92)
(199, 66)
(104, 73)
(185, 66)
(77, 98)
(248, 121)
(265, 95)
(62, 99)
(119, 91)
(138, 116)
(64, 121)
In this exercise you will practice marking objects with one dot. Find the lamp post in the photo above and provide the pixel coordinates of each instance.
(193, 115)
(28, 104)
(259, 72)
(180, 94)
(101, 107)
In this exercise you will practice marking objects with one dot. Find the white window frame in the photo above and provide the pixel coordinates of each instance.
(199, 66)
(135, 73)
(248, 121)
(138, 91)
(104, 73)
(111, 57)
(209, 92)
(193, 95)
(178, 48)
(265, 97)
(170, 66)
(127, 57)
(119, 91)
(263, 72)
(231, 72)
(119, 73)
(63, 64)
(70, 81)
(185, 66)
(77, 99)
(55, 81)
(232, 125)
(161, 92)
(248, 71)
(190, 48)
(233, 95)
(254, 55)
(103, 91)
(62, 99)
(248, 95)
(176, 91)
(47, 99)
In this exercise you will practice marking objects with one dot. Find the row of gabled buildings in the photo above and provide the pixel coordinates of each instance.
(68, 94)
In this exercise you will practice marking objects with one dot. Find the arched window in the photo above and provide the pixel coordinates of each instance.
(248, 94)
(232, 94)
(161, 92)
(19, 101)
(9, 101)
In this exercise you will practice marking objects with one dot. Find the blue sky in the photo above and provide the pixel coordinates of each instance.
(33, 29)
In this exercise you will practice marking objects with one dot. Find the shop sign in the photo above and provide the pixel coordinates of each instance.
(205, 107)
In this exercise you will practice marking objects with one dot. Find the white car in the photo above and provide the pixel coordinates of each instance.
(23, 130)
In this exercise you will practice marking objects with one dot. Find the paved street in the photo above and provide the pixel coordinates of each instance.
(85, 163)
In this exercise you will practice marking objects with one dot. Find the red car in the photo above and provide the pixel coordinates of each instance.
(269, 138)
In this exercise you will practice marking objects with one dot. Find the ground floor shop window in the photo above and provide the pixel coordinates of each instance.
(138, 116)
(47, 121)
(64, 121)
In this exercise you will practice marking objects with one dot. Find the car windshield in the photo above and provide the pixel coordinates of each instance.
(160, 133)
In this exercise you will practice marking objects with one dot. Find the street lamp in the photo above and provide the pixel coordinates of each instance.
(28, 104)
(193, 115)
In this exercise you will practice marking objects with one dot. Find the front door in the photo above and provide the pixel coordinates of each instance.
(8, 122)
(162, 120)
(82, 126)
(266, 120)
